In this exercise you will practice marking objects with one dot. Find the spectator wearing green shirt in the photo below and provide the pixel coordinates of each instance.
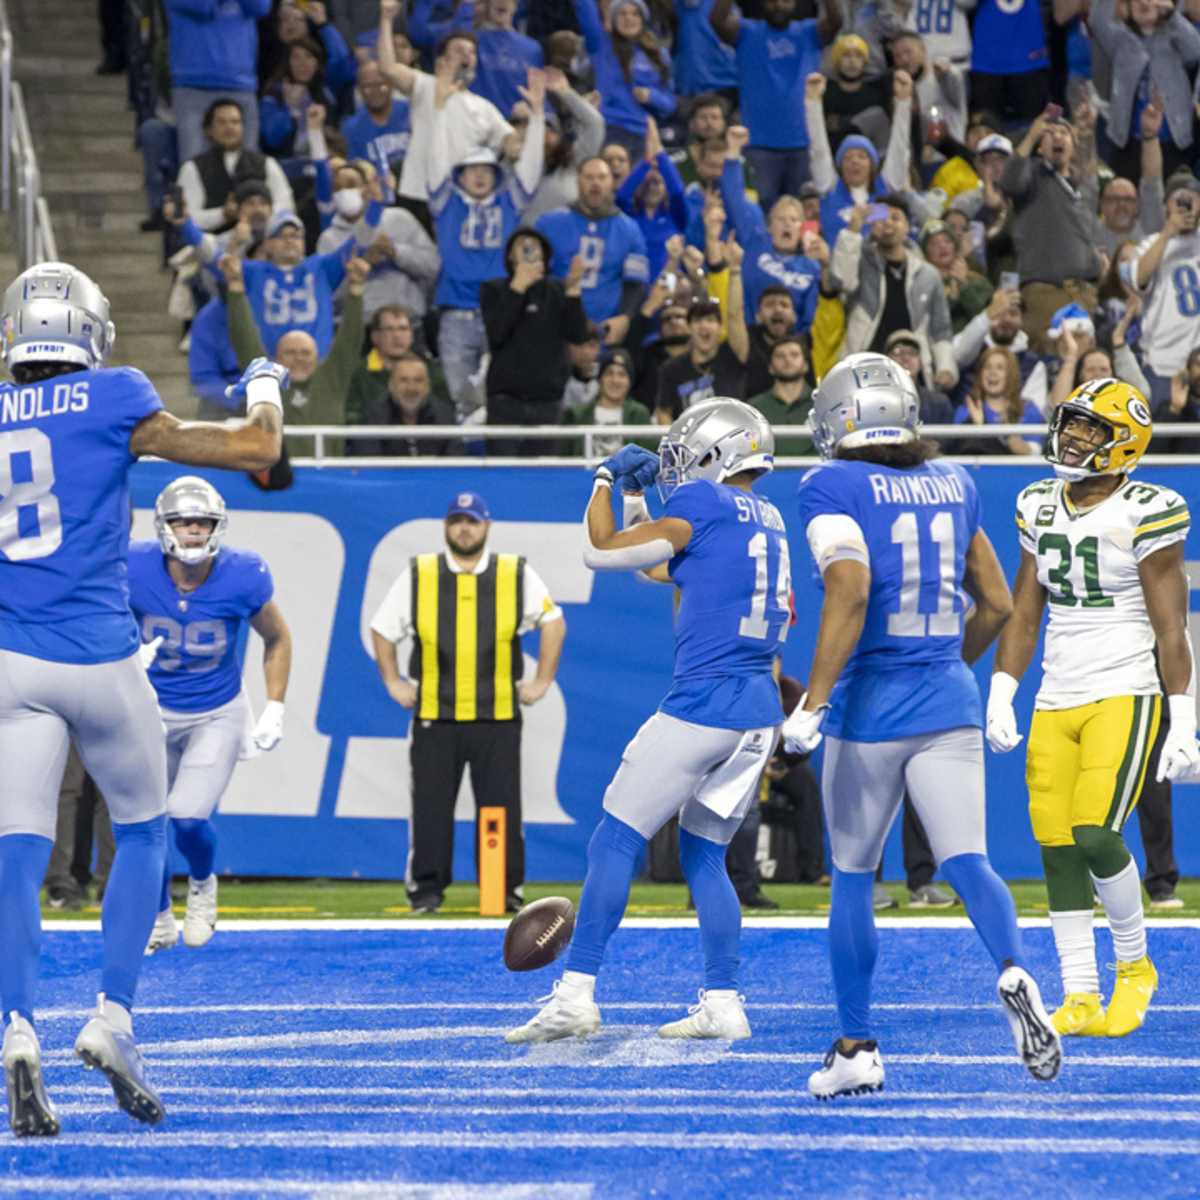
(613, 406)
(316, 394)
(789, 400)
(393, 338)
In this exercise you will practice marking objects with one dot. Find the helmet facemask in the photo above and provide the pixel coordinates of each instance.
(190, 499)
(1074, 459)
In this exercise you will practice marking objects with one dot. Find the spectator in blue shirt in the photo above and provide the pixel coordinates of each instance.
(291, 26)
(633, 72)
(379, 131)
(774, 56)
(703, 63)
(287, 98)
(774, 248)
(612, 247)
(213, 51)
(212, 362)
(652, 195)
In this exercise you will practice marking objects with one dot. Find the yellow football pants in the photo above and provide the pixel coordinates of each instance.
(1086, 765)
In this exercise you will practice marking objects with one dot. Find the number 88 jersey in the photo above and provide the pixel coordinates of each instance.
(1099, 641)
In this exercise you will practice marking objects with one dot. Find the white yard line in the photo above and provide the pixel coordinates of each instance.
(326, 1189)
(539, 1140)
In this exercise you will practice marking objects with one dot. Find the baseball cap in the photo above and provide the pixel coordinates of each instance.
(618, 357)
(995, 142)
(469, 504)
(1182, 181)
(280, 221)
(931, 228)
(902, 336)
(251, 187)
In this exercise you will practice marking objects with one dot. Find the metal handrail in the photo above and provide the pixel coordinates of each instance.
(557, 433)
(29, 214)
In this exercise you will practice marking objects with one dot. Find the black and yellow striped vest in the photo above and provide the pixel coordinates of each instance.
(466, 656)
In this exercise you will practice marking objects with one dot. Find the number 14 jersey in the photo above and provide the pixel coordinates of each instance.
(1099, 641)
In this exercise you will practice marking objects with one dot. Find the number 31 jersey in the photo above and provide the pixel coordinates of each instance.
(1099, 641)
(199, 664)
(64, 513)
(734, 582)
(907, 675)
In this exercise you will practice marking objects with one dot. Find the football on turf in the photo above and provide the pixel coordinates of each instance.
(539, 933)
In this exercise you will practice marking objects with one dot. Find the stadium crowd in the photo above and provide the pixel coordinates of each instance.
(601, 211)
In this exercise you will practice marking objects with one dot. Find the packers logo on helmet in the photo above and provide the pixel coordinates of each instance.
(1117, 434)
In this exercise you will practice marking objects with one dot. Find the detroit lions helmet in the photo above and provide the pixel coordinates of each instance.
(866, 400)
(714, 440)
(54, 313)
(189, 497)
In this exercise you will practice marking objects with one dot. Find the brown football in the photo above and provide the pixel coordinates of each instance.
(539, 933)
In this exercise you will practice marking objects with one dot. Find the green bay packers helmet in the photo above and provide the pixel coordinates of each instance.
(1121, 414)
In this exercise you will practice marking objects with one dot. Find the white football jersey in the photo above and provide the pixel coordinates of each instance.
(1172, 303)
(1099, 641)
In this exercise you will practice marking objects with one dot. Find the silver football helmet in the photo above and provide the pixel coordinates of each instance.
(189, 496)
(866, 400)
(714, 440)
(54, 313)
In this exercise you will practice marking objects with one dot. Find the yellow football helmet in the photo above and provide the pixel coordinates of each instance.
(1121, 415)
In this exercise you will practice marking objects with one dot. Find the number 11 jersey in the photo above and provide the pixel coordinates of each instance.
(1099, 641)
(64, 513)
(906, 676)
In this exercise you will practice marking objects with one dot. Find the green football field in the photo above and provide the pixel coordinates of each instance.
(309, 899)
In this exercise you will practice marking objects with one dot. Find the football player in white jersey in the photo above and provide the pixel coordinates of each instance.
(1107, 555)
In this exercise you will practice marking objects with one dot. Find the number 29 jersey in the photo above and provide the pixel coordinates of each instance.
(906, 676)
(734, 582)
(199, 664)
(1099, 640)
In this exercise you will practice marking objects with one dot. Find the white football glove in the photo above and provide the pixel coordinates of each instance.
(269, 729)
(1180, 758)
(802, 730)
(1002, 732)
(148, 652)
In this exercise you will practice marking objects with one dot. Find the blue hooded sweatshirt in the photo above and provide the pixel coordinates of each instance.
(214, 43)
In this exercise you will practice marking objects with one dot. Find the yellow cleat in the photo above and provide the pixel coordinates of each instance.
(1135, 986)
(1081, 1014)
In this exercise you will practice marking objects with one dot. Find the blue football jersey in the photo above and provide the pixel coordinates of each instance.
(199, 664)
(613, 251)
(734, 580)
(471, 235)
(64, 513)
(299, 297)
(907, 674)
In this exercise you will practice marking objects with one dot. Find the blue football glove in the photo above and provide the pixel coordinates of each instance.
(643, 476)
(627, 461)
(257, 369)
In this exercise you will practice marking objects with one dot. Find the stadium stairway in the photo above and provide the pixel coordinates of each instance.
(92, 180)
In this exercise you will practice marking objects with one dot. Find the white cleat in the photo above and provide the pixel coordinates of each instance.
(165, 933)
(562, 1016)
(720, 1014)
(30, 1112)
(1034, 1033)
(201, 917)
(106, 1044)
(848, 1074)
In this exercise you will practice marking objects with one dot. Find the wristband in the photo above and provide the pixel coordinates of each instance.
(603, 477)
(1182, 711)
(264, 389)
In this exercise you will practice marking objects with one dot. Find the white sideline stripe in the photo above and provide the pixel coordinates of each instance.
(58, 1014)
(328, 1189)
(341, 924)
(821, 1112)
(621, 1061)
(520, 1140)
(631, 1095)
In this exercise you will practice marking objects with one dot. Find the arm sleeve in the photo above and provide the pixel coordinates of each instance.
(193, 198)
(539, 604)
(663, 101)
(575, 322)
(637, 263)
(898, 159)
(746, 216)
(502, 309)
(628, 190)
(589, 127)
(820, 157)
(588, 16)
(393, 618)
(282, 199)
(527, 173)
(138, 398)
(823, 492)
(835, 537)
(243, 332)
(416, 254)
(276, 123)
(340, 65)
(1017, 178)
(675, 190)
(262, 587)
(346, 351)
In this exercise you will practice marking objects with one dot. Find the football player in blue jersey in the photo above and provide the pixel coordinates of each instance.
(70, 430)
(702, 754)
(897, 542)
(192, 599)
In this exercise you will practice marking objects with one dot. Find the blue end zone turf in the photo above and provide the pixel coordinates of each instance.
(359, 1062)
